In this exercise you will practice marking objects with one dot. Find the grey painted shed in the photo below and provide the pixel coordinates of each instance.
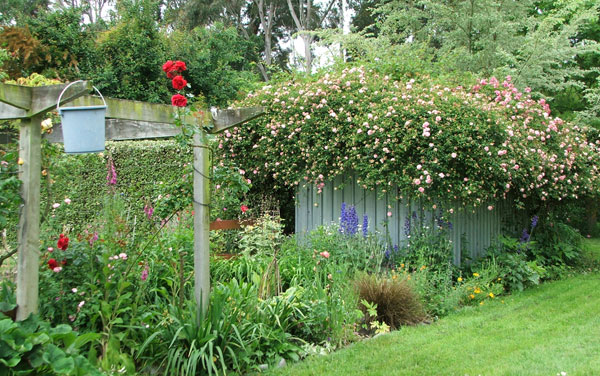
(472, 230)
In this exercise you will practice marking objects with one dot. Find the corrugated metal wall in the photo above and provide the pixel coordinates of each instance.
(472, 230)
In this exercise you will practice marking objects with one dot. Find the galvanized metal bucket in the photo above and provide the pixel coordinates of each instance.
(82, 127)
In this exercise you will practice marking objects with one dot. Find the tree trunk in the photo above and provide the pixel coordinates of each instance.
(307, 52)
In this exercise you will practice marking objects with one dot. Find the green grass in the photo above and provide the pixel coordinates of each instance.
(545, 330)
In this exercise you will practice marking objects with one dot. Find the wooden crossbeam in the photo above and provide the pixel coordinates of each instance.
(21, 102)
(8, 112)
(16, 95)
(163, 113)
(224, 119)
(45, 97)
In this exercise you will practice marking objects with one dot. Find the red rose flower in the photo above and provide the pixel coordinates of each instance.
(244, 208)
(179, 100)
(179, 83)
(179, 66)
(168, 66)
(63, 242)
(52, 264)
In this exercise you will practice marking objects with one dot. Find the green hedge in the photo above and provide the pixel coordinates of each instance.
(142, 167)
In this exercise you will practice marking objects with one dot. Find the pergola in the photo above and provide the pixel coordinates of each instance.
(125, 120)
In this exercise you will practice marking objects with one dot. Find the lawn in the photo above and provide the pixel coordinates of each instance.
(545, 330)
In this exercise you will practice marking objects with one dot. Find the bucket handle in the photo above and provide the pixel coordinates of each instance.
(74, 82)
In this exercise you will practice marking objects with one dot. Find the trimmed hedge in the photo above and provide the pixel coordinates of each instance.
(142, 167)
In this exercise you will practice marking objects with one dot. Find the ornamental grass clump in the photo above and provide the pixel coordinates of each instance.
(397, 304)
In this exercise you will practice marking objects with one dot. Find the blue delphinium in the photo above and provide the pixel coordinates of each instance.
(524, 236)
(342, 217)
(348, 220)
(534, 221)
(365, 226)
(407, 226)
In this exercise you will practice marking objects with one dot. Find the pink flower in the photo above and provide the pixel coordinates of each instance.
(144, 275)
(244, 208)
(389, 214)
(490, 207)
(55, 205)
(67, 201)
(324, 254)
(421, 189)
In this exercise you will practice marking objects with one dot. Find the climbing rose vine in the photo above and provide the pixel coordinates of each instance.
(439, 143)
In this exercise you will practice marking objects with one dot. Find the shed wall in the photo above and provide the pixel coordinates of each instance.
(473, 230)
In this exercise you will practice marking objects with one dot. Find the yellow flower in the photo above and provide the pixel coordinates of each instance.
(475, 274)
(491, 294)
(401, 265)
(20, 161)
(459, 279)
(477, 290)
(499, 279)
(472, 296)
(423, 267)
(481, 302)
(394, 277)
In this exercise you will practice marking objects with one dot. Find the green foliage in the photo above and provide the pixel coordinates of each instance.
(133, 52)
(396, 302)
(33, 347)
(68, 46)
(10, 186)
(468, 35)
(238, 332)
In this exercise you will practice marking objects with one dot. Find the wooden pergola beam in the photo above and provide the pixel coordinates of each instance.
(8, 112)
(224, 119)
(16, 95)
(36, 100)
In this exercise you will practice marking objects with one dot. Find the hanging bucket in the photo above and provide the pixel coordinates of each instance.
(82, 127)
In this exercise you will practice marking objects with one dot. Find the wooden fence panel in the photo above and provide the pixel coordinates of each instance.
(471, 231)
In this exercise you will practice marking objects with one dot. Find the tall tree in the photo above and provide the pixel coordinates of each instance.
(473, 35)
(308, 17)
(12, 10)
(93, 10)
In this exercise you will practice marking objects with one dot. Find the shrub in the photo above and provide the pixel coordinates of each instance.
(397, 303)
(32, 346)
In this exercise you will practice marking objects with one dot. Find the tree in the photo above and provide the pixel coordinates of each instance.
(308, 17)
(92, 9)
(472, 35)
(13, 10)
(131, 54)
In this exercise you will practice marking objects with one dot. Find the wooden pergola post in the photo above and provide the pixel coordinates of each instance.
(29, 104)
(126, 120)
